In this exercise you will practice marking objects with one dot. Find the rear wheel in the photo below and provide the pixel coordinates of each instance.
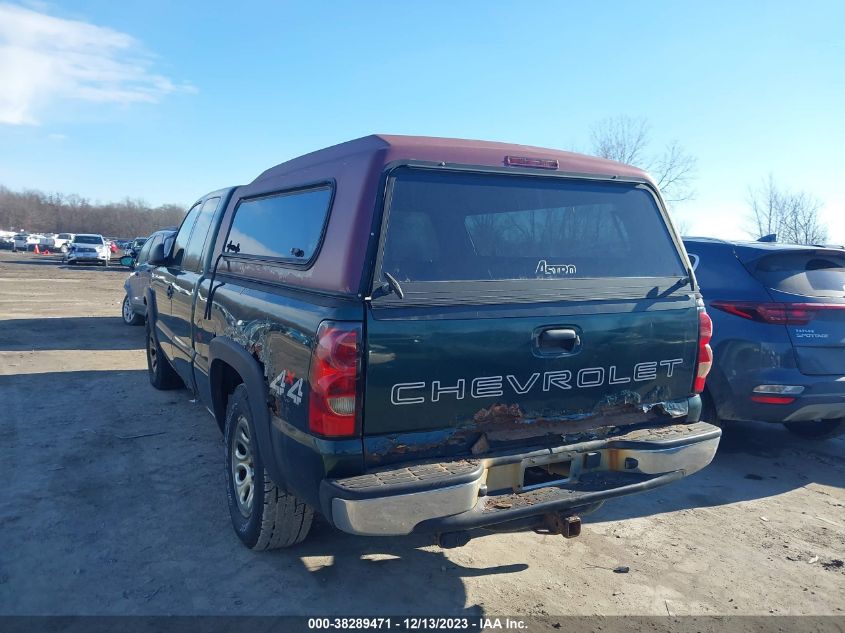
(128, 313)
(708, 410)
(263, 515)
(817, 429)
(162, 375)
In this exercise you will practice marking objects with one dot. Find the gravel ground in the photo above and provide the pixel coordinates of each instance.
(113, 503)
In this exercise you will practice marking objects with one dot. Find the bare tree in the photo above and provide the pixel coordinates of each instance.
(765, 216)
(792, 216)
(627, 140)
(622, 139)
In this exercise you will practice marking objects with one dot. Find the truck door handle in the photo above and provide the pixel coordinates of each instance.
(169, 292)
(565, 339)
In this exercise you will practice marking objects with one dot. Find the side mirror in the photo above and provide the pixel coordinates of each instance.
(127, 260)
(157, 256)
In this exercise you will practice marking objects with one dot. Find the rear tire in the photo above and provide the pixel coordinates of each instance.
(263, 515)
(708, 411)
(128, 313)
(161, 373)
(817, 429)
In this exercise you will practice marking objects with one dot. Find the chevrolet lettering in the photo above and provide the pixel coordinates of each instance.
(495, 386)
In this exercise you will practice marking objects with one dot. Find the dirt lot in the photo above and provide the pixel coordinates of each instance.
(113, 503)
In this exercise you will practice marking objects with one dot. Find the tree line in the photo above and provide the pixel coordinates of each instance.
(38, 212)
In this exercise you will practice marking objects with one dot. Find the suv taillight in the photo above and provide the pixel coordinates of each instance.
(705, 352)
(776, 313)
(334, 377)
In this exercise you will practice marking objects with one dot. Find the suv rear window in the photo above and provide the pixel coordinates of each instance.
(88, 239)
(448, 226)
(810, 273)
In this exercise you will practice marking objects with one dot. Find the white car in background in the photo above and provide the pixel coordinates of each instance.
(62, 241)
(88, 247)
(43, 240)
(27, 241)
(19, 241)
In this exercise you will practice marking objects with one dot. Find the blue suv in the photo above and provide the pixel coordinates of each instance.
(778, 315)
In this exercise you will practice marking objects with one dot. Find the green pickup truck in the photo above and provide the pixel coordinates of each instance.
(426, 335)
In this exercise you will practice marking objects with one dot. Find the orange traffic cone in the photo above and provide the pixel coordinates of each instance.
(37, 252)
(46, 251)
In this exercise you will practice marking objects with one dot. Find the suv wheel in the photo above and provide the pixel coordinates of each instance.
(817, 429)
(162, 375)
(128, 312)
(264, 516)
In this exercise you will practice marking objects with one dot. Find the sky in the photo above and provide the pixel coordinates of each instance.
(164, 101)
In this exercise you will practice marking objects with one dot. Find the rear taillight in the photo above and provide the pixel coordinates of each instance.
(777, 313)
(705, 353)
(335, 371)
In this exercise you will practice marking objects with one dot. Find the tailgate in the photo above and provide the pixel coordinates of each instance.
(428, 370)
(530, 307)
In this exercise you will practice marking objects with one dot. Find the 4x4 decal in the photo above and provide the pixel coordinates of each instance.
(287, 385)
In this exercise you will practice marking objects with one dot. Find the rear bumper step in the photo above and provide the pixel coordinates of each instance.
(464, 494)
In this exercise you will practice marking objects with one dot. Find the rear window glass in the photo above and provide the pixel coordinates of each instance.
(285, 226)
(454, 226)
(811, 274)
(88, 239)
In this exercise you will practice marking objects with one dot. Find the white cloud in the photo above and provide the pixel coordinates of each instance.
(44, 59)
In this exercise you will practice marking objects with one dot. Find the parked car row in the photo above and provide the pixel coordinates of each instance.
(65, 242)
(62, 242)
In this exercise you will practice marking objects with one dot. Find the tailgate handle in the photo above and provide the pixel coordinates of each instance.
(566, 339)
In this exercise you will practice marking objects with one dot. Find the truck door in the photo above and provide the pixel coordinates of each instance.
(185, 281)
(163, 286)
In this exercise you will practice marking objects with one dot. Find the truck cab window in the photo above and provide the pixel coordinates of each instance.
(183, 235)
(196, 243)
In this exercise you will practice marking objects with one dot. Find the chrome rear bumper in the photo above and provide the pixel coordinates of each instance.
(471, 493)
